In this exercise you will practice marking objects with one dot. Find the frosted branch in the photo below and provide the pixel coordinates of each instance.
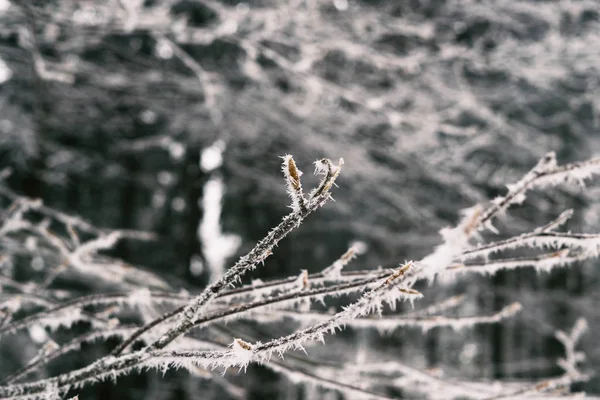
(545, 173)
(257, 255)
(284, 298)
(390, 324)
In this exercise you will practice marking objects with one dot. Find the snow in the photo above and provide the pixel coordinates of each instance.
(217, 247)
(211, 157)
(5, 71)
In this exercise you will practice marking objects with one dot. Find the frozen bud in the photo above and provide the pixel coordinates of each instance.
(242, 351)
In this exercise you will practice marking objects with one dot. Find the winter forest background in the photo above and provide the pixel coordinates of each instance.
(170, 117)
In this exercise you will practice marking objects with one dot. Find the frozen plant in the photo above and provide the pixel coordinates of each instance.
(171, 338)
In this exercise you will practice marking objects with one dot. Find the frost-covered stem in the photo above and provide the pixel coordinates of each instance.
(579, 246)
(257, 255)
(433, 384)
(359, 278)
(274, 285)
(93, 300)
(305, 294)
(369, 302)
(69, 220)
(313, 279)
(540, 262)
(106, 367)
(389, 324)
(186, 358)
(4, 281)
(76, 304)
(113, 366)
(80, 315)
(557, 222)
(348, 390)
(140, 331)
(546, 172)
(74, 344)
(491, 247)
(51, 275)
(569, 364)
(334, 271)
(295, 375)
(570, 340)
(541, 387)
(535, 239)
(330, 173)
(24, 295)
(437, 308)
(298, 375)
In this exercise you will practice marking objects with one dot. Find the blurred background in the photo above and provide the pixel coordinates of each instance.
(170, 117)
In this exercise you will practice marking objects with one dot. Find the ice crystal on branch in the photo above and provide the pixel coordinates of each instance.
(242, 351)
(335, 270)
(170, 340)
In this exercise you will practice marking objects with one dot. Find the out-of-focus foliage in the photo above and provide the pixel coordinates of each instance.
(434, 105)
